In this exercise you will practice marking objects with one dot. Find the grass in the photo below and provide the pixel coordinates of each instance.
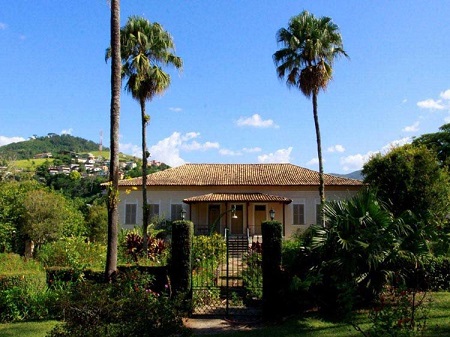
(312, 326)
(30, 164)
(12, 264)
(26, 329)
(308, 326)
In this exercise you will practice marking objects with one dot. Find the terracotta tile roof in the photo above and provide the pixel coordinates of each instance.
(237, 197)
(239, 175)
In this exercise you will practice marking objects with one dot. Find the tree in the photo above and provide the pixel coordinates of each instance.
(145, 48)
(438, 142)
(310, 46)
(113, 190)
(12, 195)
(411, 179)
(97, 222)
(49, 215)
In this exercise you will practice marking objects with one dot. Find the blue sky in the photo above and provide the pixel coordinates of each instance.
(227, 105)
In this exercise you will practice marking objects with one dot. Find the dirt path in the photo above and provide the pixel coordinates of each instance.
(206, 326)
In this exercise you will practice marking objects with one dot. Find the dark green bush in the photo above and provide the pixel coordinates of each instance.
(271, 268)
(180, 263)
(252, 274)
(23, 291)
(73, 252)
(125, 307)
(433, 274)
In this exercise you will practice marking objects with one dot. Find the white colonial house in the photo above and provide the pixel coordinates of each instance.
(234, 196)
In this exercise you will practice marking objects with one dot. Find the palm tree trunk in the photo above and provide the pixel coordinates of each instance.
(145, 208)
(113, 191)
(319, 155)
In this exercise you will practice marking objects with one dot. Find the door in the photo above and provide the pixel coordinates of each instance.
(213, 216)
(237, 221)
(260, 216)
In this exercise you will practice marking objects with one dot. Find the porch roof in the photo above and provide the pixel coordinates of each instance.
(237, 197)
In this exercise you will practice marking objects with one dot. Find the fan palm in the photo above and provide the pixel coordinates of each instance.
(363, 240)
(146, 47)
(310, 46)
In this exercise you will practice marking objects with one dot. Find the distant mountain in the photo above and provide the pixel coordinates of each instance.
(353, 175)
(52, 143)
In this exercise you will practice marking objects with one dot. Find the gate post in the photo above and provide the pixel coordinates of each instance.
(180, 262)
(271, 268)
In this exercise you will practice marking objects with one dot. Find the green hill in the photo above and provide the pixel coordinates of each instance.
(52, 143)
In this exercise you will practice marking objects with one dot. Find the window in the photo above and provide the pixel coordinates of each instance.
(130, 214)
(299, 214)
(154, 210)
(175, 211)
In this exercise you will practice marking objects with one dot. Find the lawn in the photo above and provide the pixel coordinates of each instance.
(309, 326)
(26, 329)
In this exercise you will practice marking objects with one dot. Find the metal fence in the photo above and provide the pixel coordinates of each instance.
(226, 275)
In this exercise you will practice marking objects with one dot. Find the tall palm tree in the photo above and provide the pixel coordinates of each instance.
(310, 46)
(116, 84)
(146, 47)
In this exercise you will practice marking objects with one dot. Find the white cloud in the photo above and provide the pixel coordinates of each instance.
(227, 152)
(313, 161)
(130, 149)
(8, 140)
(256, 121)
(447, 119)
(67, 132)
(356, 162)
(196, 146)
(3, 26)
(189, 135)
(396, 143)
(411, 128)
(279, 156)
(168, 149)
(445, 94)
(251, 150)
(431, 104)
(174, 109)
(336, 148)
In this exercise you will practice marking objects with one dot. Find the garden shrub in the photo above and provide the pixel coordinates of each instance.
(252, 272)
(438, 273)
(398, 312)
(73, 252)
(159, 276)
(23, 291)
(16, 271)
(131, 244)
(271, 267)
(208, 249)
(125, 307)
(208, 252)
(433, 274)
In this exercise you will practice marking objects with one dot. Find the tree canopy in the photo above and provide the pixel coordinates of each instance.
(438, 142)
(309, 47)
(411, 179)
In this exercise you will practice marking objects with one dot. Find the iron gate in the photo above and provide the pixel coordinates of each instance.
(226, 275)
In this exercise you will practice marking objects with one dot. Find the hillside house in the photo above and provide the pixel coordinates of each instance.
(236, 196)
